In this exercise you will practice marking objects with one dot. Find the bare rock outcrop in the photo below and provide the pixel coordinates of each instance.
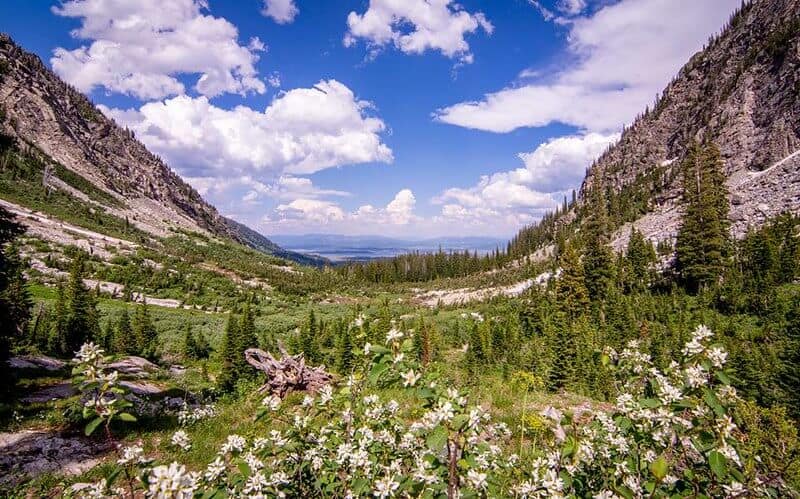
(742, 92)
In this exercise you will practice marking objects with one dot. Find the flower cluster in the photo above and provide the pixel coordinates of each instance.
(189, 415)
(102, 396)
(669, 434)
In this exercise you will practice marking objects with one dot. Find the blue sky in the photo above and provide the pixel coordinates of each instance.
(396, 117)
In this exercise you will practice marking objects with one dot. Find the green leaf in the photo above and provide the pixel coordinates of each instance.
(93, 426)
(659, 468)
(379, 349)
(723, 378)
(124, 416)
(376, 372)
(437, 438)
(713, 402)
(650, 403)
(460, 421)
(718, 464)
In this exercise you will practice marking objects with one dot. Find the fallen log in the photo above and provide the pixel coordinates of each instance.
(288, 373)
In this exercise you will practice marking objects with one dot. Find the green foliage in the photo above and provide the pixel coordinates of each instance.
(702, 244)
(195, 345)
(82, 317)
(598, 265)
(125, 341)
(14, 301)
(102, 397)
(308, 340)
(239, 336)
(144, 332)
(22, 182)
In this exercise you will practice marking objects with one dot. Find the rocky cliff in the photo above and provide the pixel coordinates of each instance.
(742, 92)
(47, 117)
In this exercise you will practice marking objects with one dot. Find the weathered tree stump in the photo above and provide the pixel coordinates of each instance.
(287, 374)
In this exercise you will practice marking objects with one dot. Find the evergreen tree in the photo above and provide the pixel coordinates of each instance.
(81, 323)
(640, 257)
(11, 312)
(125, 341)
(308, 340)
(189, 343)
(476, 350)
(229, 375)
(598, 260)
(562, 346)
(246, 338)
(703, 239)
(16, 297)
(571, 293)
(57, 338)
(145, 332)
(345, 358)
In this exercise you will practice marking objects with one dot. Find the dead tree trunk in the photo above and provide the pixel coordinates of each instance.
(287, 374)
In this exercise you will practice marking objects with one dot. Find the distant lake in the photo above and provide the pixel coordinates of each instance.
(364, 248)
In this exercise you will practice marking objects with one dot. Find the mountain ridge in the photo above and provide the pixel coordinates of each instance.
(741, 92)
(48, 118)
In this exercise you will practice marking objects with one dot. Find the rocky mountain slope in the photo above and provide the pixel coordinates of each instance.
(742, 92)
(47, 118)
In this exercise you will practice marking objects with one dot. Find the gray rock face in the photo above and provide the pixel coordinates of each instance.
(48, 117)
(133, 366)
(36, 362)
(742, 92)
(30, 453)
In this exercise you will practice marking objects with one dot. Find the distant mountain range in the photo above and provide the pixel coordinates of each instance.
(340, 248)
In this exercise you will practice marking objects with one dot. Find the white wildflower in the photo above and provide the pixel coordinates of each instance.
(393, 335)
(410, 378)
(235, 443)
(181, 439)
(385, 487)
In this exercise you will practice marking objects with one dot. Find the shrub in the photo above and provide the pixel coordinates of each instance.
(670, 434)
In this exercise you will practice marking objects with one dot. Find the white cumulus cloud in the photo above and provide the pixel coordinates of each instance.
(139, 48)
(303, 131)
(621, 57)
(523, 195)
(306, 214)
(414, 26)
(281, 11)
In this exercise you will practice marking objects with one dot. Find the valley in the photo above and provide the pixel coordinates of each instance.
(639, 339)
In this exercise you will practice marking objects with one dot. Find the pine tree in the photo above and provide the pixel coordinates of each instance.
(10, 312)
(640, 257)
(345, 357)
(703, 239)
(598, 260)
(189, 343)
(57, 337)
(562, 346)
(145, 332)
(82, 323)
(571, 293)
(423, 343)
(228, 375)
(476, 351)
(246, 338)
(16, 297)
(125, 341)
(308, 340)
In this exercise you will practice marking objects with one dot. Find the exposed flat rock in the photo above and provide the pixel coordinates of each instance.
(27, 454)
(142, 387)
(36, 362)
(133, 366)
(53, 392)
